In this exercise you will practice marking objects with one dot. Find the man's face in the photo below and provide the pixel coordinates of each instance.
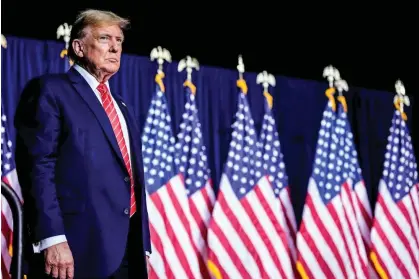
(102, 47)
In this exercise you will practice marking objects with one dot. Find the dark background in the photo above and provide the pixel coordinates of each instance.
(371, 43)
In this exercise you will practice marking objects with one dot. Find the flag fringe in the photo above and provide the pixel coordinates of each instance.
(214, 270)
(301, 270)
(378, 267)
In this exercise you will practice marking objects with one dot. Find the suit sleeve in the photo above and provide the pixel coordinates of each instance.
(38, 126)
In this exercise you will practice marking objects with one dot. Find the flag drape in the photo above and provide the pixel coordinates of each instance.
(173, 252)
(395, 230)
(191, 158)
(9, 177)
(246, 237)
(361, 202)
(329, 241)
(274, 166)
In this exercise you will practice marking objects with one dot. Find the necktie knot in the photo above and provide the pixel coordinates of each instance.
(102, 88)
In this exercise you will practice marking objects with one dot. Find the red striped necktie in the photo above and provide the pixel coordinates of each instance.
(110, 110)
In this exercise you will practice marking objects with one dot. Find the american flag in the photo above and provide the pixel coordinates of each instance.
(273, 163)
(173, 253)
(395, 230)
(245, 237)
(364, 216)
(191, 158)
(9, 176)
(329, 241)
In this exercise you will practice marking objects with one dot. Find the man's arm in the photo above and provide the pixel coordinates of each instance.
(38, 127)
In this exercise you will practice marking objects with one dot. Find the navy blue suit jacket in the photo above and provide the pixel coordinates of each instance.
(72, 173)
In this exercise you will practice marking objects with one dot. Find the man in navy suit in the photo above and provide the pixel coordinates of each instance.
(80, 165)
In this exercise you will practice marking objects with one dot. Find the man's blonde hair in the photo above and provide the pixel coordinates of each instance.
(93, 18)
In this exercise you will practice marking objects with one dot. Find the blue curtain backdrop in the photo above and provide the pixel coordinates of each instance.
(298, 107)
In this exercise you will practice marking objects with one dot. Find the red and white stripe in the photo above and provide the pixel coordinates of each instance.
(364, 217)
(201, 204)
(395, 234)
(246, 237)
(10, 179)
(6, 237)
(291, 224)
(174, 254)
(329, 242)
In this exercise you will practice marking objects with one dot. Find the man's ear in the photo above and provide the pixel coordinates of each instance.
(78, 47)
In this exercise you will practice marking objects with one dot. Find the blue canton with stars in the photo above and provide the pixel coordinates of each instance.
(400, 173)
(191, 155)
(158, 144)
(328, 168)
(269, 149)
(240, 163)
(7, 160)
(347, 149)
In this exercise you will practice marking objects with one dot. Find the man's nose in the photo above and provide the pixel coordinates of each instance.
(115, 46)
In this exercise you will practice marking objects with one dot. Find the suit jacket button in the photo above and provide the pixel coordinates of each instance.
(126, 211)
(126, 179)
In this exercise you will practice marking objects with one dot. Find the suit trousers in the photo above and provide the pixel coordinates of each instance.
(133, 265)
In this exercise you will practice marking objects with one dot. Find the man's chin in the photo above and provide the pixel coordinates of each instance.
(111, 69)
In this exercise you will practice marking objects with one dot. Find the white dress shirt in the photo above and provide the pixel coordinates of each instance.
(93, 83)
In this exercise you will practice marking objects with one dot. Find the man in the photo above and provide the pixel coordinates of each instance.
(80, 164)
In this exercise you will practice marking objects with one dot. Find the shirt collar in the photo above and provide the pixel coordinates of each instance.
(91, 80)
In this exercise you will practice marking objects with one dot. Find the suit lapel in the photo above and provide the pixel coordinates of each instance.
(129, 119)
(133, 131)
(83, 88)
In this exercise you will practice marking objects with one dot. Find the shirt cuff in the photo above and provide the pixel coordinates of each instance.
(48, 242)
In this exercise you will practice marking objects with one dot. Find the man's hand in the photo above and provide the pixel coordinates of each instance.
(59, 261)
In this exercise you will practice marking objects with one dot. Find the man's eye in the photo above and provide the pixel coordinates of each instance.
(104, 38)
